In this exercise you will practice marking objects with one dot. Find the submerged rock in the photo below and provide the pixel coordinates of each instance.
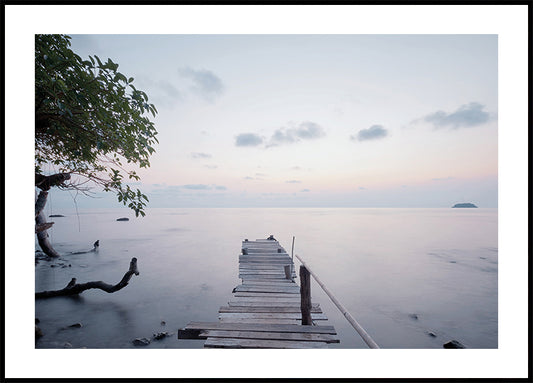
(123, 219)
(431, 334)
(56, 215)
(413, 316)
(75, 325)
(141, 342)
(38, 332)
(453, 344)
(160, 335)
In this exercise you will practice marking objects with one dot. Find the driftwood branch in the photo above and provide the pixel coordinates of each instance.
(73, 288)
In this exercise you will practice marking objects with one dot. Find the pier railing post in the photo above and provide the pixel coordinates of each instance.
(288, 271)
(305, 293)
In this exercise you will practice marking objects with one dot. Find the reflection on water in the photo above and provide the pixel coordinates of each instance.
(404, 274)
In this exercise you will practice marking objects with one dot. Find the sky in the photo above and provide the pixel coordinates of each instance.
(313, 120)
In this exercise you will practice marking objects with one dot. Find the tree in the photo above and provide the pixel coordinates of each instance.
(91, 124)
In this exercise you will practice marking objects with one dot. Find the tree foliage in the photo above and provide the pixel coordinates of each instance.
(90, 120)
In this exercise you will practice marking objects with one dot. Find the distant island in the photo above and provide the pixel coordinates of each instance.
(467, 204)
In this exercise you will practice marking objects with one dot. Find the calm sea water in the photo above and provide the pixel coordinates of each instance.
(402, 273)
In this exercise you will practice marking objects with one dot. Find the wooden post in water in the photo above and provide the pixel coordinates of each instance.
(305, 293)
(288, 271)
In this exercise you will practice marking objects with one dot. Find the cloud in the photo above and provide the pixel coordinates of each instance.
(293, 182)
(200, 155)
(161, 92)
(467, 115)
(305, 190)
(205, 83)
(211, 166)
(248, 178)
(372, 133)
(248, 139)
(169, 89)
(306, 130)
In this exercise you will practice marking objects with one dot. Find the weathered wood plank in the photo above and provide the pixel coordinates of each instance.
(323, 329)
(248, 343)
(274, 282)
(294, 305)
(265, 281)
(267, 289)
(263, 321)
(269, 321)
(265, 309)
(302, 337)
(269, 315)
(265, 257)
(263, 294)
(277, 262)
(268, 299)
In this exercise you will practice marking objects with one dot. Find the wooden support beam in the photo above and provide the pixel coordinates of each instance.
(305, 293)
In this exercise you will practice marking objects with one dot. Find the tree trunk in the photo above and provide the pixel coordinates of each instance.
(74, 288)
(40, 222)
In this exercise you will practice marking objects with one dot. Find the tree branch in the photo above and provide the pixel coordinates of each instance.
(46, 182)
(74, 288)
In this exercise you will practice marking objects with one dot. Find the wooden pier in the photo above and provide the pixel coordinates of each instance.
(266, 309)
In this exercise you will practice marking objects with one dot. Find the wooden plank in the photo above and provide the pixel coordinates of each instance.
(262, 321)
(273, 282)
(267, 289)
(248, 343)
(269, 315)
(263, 294)
(294, 305)
(265, 309)
(301, 337)
(268, 299)
(262, 280)
(277, 262)
(260, 327)
(265, 257)
(276, 273)
(267, 250)
(263, 277)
